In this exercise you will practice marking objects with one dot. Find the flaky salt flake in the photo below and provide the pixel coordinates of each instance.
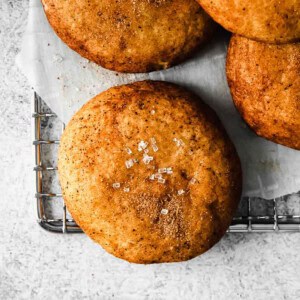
(129, 163)
(193, 181)
(164, 211)
(178, 142)
(147, 159)
(157, 176)
(161, 180)
(169, 170)
(146, 155)
(116, 185)
(142, 145)
(180, 192)
(162, 170)
(126, 189)
(135, 160)
(151, 177)
(128, 150)
(152, 140)
(155, 148)
(152, 112)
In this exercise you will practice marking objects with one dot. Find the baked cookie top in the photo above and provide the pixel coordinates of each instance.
(149, 173)
(264, 80)
(129, 35)
(270, 21)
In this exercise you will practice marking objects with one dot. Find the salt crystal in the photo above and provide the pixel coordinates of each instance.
(135, 160)
(116, 185)
(164, 211)
(129, 163)
(181, 192)
(161, 180)
(169, 171)
(147, 159)
(126, 189)
(162, 170)
(157, 176)
(152, 140)
(178, 142)
(154, 147)
(152, 177)
(193, 181)
(142, 145)
(152, 112)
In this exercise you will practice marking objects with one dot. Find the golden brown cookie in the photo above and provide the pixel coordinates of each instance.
(268, 21)
(149, 173)
(264, 81)
(130, 36)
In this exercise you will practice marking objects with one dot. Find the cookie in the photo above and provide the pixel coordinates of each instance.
(148, 172)
(267, 21)
(264, 81)
(130, 36)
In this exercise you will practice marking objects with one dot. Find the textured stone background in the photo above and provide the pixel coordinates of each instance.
(35, 264)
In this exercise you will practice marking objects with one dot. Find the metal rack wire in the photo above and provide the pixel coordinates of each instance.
(254, 214)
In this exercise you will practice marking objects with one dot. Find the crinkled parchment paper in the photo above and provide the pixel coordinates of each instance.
(66, 81)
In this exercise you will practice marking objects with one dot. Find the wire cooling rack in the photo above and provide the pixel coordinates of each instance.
(253, 215)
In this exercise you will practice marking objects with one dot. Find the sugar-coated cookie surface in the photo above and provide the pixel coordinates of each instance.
(130, 35)
(269, 21)
(264, 80)
(149, 173)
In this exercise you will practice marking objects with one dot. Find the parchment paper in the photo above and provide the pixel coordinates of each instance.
(65, 81)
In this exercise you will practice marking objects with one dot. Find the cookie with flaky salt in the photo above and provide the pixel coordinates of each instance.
(148, 172)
